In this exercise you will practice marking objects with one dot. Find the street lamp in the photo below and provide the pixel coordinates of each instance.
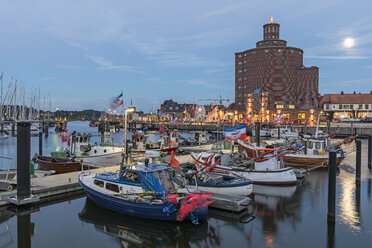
(124, 161)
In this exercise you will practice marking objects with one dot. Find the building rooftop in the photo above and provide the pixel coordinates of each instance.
(355, 98)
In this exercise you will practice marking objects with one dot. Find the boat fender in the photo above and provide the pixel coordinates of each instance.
(194, 219)
(169, 208)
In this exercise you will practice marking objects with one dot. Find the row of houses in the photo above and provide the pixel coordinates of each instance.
(342, 105)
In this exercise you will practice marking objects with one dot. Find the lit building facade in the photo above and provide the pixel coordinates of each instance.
(356, 105)
(275, 69)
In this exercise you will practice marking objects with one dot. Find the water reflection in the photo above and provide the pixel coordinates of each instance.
(5, 232)
(350, 208)
(273, 205)
(133, 232)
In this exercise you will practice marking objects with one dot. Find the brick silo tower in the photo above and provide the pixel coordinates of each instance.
(278, 69)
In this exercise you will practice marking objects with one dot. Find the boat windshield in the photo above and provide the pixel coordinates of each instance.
(165, 180)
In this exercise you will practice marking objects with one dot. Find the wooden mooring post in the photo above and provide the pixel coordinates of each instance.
(331, 187)
(257, 133)
(23, 160)
(40, 143)
(369, 151)
(358, 159)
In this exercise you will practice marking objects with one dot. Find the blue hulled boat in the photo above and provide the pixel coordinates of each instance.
(144, 191)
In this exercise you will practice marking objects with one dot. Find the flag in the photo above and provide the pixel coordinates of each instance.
(117, 101)
(173, 161)
(234, 133)
(279, 118)
(256, 91)
(174, 121)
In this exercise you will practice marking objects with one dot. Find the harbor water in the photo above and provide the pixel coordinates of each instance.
(293, 216)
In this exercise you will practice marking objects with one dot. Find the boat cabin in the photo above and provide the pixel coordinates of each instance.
(201, 137)
(151, 178)
(80, 143)
(138, 142)
(316, 146)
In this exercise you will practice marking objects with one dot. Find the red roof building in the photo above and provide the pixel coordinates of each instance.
(355, 105)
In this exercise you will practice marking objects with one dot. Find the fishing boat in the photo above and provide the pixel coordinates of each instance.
(138, 143)
(144, 191)
(264, 132)
(59, 165)
(216, 183)
(262, 169)
(103, 154)
(93, 124)
(315, 152)
(285, 132)
(250, 149)
(169, 142)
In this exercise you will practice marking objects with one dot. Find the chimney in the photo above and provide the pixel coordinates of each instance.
(354, 92)
(343, 92)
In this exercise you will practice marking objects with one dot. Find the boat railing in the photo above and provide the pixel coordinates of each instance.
(9, 165)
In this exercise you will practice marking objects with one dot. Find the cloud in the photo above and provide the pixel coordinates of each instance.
(223, 11)
(209, 83)
(109, 66)
(336, 57)
(48, 78)
(72, 67)
(121, 68)
(99, 60)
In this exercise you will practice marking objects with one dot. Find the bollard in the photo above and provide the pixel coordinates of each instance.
(40, 143)
(23, 160)
(257, 133)
(24, 230)
(358, 159)
(369, 151)
(331, 186)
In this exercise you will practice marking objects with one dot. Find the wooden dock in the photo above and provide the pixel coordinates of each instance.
(49, 187)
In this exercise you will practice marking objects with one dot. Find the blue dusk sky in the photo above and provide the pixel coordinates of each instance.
(82, 53)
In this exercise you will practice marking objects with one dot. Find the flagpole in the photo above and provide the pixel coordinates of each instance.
(124, 138)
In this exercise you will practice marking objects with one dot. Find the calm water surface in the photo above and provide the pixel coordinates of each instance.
(284, 216)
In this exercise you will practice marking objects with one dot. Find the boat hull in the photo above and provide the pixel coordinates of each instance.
(144, 210)
(233, 190)
(303, 160)
(57, 164)
(108, 159)
(284, 176)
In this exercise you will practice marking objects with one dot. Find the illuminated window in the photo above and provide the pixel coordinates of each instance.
(301, 116)
(291, 106)
(287, 116)
(279, 106)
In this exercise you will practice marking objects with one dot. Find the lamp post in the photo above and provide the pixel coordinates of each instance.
(124, 161)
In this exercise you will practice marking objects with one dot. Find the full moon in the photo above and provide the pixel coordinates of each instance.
(348, 42)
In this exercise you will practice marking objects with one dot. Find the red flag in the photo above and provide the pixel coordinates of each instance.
(173, 161)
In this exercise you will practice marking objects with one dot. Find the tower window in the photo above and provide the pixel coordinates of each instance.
(266, 50)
